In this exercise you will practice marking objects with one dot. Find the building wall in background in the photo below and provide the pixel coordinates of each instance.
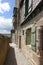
(4, 46)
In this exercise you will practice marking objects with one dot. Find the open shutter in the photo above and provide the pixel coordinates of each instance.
(33, 38)
(26, 8)
(29, 6)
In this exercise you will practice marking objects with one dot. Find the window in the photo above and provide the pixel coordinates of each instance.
(23, 32)
(28, 36)
(30, 2)
(29, 5)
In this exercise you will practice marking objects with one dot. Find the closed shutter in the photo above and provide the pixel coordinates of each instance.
(33, 38)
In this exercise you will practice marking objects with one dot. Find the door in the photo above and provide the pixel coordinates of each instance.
(41, 37)
(19, 41)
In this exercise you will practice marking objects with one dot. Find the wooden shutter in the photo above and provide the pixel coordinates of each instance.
(33, 38)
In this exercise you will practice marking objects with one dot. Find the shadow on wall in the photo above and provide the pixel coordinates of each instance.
(11, 59)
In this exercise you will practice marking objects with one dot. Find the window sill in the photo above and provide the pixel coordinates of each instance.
(28, 46)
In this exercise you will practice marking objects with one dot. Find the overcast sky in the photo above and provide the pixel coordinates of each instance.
(6, 13)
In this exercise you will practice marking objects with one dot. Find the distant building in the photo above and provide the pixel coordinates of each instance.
(28, 26)
(8, 35)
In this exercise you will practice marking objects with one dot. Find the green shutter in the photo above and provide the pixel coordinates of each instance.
(26, 7)
(33, 38)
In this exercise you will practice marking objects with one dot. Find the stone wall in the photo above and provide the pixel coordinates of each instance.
(4, 46)
(36, 58)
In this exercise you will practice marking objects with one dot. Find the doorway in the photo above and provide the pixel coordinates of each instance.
(19, 41)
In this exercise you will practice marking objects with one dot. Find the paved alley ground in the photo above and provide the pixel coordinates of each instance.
(16, 57)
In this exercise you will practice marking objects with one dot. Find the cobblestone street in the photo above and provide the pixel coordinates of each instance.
(15, 57)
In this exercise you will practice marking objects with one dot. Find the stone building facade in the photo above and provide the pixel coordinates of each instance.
(29, 31)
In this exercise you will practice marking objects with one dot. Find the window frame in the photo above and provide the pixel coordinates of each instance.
(30, 7)
(28, 38)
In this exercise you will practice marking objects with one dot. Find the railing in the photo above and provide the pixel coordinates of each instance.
(4, 46)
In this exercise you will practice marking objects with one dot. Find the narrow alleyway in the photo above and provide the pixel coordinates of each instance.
(11, 60)
(16, 57)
